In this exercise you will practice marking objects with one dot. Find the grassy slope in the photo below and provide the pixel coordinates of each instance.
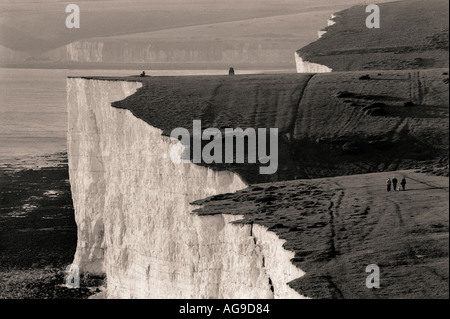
(337, 226)
(412, 35)
(320, 133)
(401, 138)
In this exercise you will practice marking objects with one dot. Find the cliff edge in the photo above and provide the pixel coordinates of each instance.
(412, 35)
(133, 204)
(134, 218)
(329, 124)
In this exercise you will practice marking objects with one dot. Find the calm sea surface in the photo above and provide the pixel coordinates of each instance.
(33, 116)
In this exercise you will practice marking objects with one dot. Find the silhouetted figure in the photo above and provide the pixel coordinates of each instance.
(403, 182)
(394, 183)
(142, 74)
(388, 184)
(231, 71)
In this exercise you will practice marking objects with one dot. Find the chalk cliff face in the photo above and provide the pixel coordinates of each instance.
(309, 67)
(85, 51)
(134, 219)
(164, 51)
(320, 33)
(304, 66)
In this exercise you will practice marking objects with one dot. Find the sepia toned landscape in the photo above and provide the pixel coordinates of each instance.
(354, 108)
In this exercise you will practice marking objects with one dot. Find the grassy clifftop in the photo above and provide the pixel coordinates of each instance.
(329, 124)
(337, 226)
(412, 35)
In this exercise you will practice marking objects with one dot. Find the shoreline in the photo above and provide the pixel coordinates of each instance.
(38, 234)
(19, 163)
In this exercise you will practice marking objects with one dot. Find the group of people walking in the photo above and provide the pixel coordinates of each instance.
(393, 183)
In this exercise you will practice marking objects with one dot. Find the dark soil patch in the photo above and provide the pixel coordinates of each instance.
(38, 235)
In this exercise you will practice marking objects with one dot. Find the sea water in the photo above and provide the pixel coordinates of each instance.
(33, 116)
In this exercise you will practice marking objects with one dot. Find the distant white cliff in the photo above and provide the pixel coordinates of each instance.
(331, 21)
(85, 51)
(104, 50)
(320, 33)
(135, 223)
(304, 66)
(309, 67)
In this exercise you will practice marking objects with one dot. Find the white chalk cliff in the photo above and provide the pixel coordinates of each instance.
(105, 50)
(304, 66)
(320, 33)
(331, 21)
(85, 51)
(309, 67)
(135, 223)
